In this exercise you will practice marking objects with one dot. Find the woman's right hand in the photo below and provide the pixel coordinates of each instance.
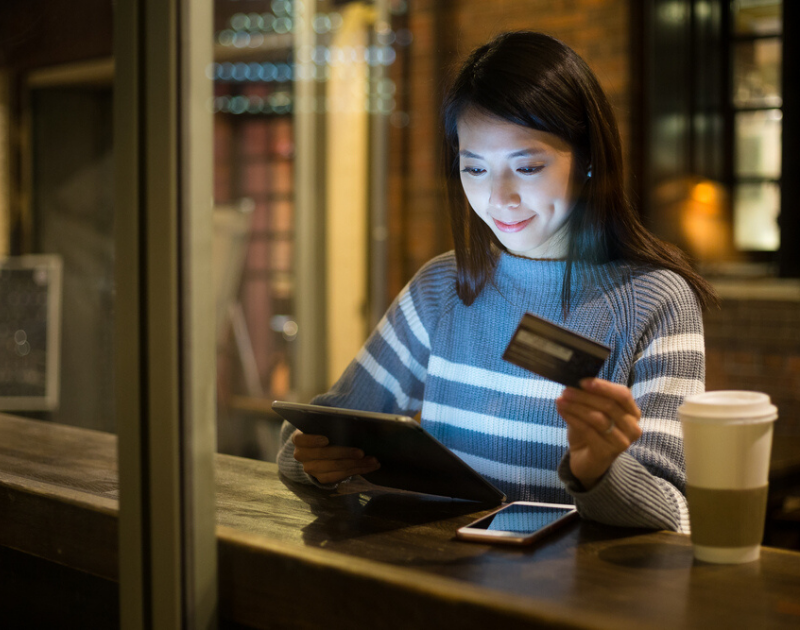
(330, 464)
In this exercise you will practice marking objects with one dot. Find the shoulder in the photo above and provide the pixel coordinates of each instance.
(442, 268)
(437, 277)
(646, 285)
(644, 297)
(658, 289)
(433, 288)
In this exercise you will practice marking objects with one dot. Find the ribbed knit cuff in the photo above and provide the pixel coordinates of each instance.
(290, 467)
(627, 495)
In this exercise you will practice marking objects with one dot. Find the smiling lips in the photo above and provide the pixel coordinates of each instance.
(512, 227)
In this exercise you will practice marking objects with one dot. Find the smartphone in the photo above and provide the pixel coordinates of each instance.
(518, 523)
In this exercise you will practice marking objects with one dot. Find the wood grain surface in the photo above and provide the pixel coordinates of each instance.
(295, 556)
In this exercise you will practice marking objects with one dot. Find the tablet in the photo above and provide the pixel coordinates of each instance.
(410, 457)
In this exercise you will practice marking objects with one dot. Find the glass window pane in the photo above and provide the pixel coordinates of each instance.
(254, 218)
(757, 17)
(757, 73)
(303, 95)
(755, 217)
(63, 136)
(72, 203)
(758, 143)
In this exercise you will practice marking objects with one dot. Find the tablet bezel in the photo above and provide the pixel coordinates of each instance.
(411, 458)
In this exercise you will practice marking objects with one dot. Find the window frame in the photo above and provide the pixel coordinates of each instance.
(164, 314)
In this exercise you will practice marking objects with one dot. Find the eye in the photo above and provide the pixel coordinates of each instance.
(529, 170)
(473, 170)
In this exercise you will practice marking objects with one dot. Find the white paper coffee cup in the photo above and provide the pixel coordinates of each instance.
(727, 442)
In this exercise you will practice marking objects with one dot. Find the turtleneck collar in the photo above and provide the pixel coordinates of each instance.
(543, 276)
(529, 273)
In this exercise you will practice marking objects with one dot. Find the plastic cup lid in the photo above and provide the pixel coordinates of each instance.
(729, 405)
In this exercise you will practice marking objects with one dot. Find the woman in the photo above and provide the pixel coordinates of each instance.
(541, 224)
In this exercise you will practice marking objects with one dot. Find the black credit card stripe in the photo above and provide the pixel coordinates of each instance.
(566, 338)
(553, 367)
(524, 358)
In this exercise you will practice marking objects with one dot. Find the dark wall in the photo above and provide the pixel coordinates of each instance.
(49, 32)
(37, 593)
(73, 208)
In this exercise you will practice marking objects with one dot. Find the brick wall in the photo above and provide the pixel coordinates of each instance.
(754, 344)
(444, 32)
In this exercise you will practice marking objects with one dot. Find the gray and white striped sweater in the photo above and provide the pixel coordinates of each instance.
(430, 353)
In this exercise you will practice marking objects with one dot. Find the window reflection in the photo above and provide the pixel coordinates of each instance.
(756, 96)
(756, 208)
(757, 73)
(757, 17)
(280, 67)
(254, 149)
(56, 155)
(758, 143)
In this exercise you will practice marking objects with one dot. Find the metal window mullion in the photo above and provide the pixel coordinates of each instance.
(164, 321)
(5, 164)
(198, 339)
(378, 187)
(160, 254)
(129, 369)
(310, 369)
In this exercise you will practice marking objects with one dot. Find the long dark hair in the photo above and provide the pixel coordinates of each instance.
(534, 80)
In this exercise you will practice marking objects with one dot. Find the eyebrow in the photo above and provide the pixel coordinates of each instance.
(520, 153)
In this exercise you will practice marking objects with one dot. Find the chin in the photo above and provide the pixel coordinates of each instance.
(519, 249)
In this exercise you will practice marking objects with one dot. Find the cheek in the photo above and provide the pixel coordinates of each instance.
(563, 188)
(472, 190)
(552, 194)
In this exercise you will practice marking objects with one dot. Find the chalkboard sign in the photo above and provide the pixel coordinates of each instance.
(30, 312)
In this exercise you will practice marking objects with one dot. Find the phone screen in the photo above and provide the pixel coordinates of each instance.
(521, 518)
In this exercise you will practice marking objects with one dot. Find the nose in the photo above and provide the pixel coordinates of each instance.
(503, 193)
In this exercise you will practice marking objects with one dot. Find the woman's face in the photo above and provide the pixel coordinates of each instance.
(519, 181)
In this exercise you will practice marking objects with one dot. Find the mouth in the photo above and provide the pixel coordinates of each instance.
(512, 227)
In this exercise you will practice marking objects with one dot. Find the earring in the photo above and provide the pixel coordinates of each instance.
(589, 172)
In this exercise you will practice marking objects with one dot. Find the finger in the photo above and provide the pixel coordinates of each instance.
(598, 420)
(324, 472)
(620, 394)
(601, 422)
(594, 401)
(308, 440)
(614, 441)
(607, 405)
(326, 453)
(326, 478)
(323, 466)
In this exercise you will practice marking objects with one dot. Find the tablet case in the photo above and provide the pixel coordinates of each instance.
(410, 458)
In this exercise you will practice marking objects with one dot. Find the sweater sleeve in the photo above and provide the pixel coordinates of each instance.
(644, 487)
(388, 373)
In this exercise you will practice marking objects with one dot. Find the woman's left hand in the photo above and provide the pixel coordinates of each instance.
(602, 422)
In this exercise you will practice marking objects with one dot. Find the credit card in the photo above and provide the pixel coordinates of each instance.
(554, 352)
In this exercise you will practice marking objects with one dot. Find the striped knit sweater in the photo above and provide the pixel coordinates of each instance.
(430, 353)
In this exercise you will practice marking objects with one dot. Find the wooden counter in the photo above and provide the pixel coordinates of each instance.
(293, 556)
